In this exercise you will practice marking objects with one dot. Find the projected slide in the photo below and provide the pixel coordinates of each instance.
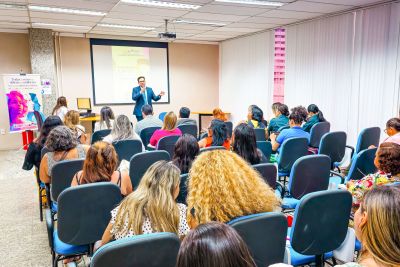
(117, 64)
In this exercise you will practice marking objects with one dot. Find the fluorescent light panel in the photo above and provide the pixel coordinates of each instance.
(124, 26)
(67, 10)
(12, 6)
(59, 25)
(161, 4)
(253, 2)
(216, 24)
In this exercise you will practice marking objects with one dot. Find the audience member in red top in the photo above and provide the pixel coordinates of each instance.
(217, 135)
(169, 128)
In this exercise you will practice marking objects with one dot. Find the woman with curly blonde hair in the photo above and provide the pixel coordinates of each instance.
(223, 186)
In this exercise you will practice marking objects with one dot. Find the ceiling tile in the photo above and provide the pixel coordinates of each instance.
(267, 20)
(314, 7)
(51, 15)
(154, 11)
(13, 13)
(64, 21)
(119, 15)
(14, 19)
(348, 2)
(231, 10)
(77, 4)
(213, 17)
(241, 30)
(287, 14)
(131, 22)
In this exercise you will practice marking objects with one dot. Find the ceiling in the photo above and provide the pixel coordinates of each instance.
(239, 19)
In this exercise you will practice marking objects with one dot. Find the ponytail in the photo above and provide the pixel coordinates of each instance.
(314, 109)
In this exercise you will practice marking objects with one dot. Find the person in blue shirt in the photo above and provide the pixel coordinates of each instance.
(281, 113)
(314, 116)
(296, 118)
(143, 95)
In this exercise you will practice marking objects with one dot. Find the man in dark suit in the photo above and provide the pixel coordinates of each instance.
(143, 95)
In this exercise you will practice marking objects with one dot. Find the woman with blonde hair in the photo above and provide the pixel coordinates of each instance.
(223, 186)
(151, 207)
(169, 128)
(71, 120)
(101, 166)
(377, 226)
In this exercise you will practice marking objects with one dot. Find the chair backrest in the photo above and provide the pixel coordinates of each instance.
(99, 135)
(309, 174)
(151, 250)
(320, 222)
(188, 129)
(291, 150)
(362, 165)
(260, 134)
(140, 162)
(127, 148)
(162, 115)
(183, 189)
(367, 137)
(283, 128)
(44, 151)
(84, 212)
(265, 236)
(269, 172)
(146, 134)
(167, 143)
(266, 148)
(317, 131)
(39, 119)
(333, 144)
(62, 174)
(229, 126)
(205, 149)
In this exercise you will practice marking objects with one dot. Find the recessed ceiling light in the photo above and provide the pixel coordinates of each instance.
(125, 26)
(161, 4)
(59, 25)
(67, 10)
(216, 24)
(12, 6)
(253, 2)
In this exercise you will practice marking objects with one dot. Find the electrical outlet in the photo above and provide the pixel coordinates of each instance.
(2, 131)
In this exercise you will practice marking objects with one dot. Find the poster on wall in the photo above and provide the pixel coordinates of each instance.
(23, 96)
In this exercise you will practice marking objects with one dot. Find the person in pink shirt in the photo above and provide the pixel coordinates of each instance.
(169, 128)
(393, 130)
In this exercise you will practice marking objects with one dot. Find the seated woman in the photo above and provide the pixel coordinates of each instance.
(106, 119)
(214, 244)
(151, 207)
(61, 108)
(62, 145)
(387, 161)
(186, 149)
(296, 117)
(217, 135)
(218, 114)
(314, 116)
(281, 113)
(221, 176)
(101, 166)
(71, 120)
(122, 130)
(245, 145)
(33, 155)
(255, 117)
(377, 226)
(393, 130)
(168, 128)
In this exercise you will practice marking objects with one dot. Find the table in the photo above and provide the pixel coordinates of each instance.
(93, 120)
(204, 114)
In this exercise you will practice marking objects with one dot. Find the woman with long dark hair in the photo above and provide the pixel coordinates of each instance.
(186, 149)
(314, 116)
(106, 119)
(61, 108)
(217, 135)
(245, 145)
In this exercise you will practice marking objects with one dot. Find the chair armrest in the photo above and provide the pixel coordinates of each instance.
(338, 174)
(50, 227)
(352, 151)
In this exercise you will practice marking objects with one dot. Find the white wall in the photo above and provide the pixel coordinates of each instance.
(246, 74)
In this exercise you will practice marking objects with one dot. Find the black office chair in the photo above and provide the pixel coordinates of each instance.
(265, 236)
(291, 150)
(229, 126)
(309, 174)
(127, 148)
(83, 215)
(269, 172)
(167, 143)
(260, 134)
(183, 190)
(99, 135)
(317, 131)
(319, 226)
(210, 148)
(283, 128)
(42, 187)
(150, 250)
(146, 134)
(333, 144)
(140, 162)
(188, 129)
(266, 148)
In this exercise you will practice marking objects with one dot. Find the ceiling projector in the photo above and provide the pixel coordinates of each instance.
(166, 35)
